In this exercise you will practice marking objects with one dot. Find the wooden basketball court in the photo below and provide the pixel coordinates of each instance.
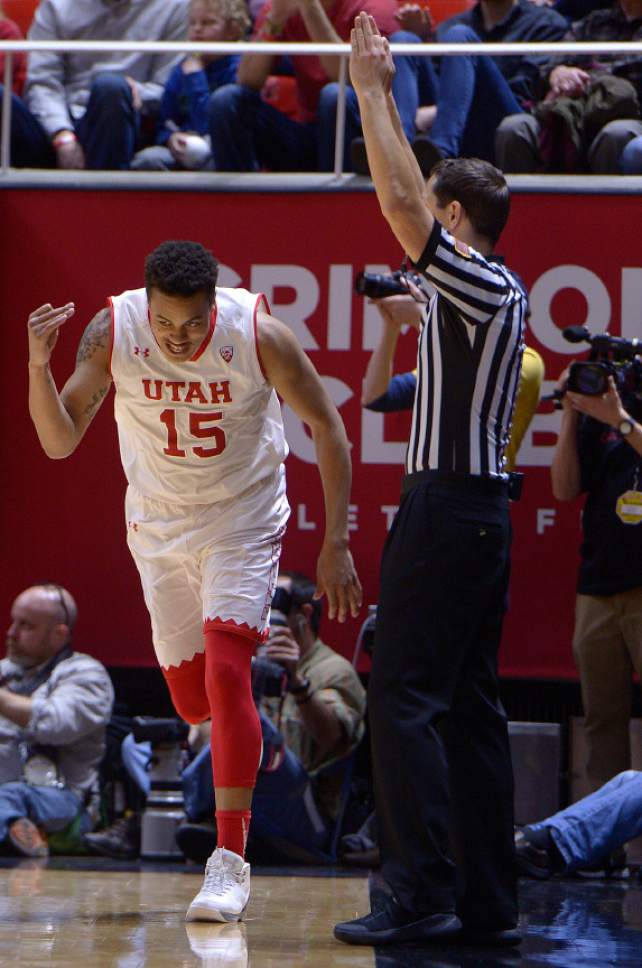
(89, 913)
(130, 919)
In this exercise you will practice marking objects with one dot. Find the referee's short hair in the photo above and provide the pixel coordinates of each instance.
(479, 187)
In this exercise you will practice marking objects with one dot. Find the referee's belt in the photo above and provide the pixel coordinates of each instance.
(509, 486)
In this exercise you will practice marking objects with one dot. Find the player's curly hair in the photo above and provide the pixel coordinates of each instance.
(181, 269)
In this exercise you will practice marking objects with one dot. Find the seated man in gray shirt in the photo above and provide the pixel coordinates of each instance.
(54, 706)
(84, 110)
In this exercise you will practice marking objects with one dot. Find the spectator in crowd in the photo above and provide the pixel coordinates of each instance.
(182, 140)
(385, 392)
(598, 454)
(84, 110)
(248, 134)
(588, 836)
(573, 9)
(592, 108)
(308, 730)
(11, 31)
(631, 158)
(307, 733)
(54, 706)
(476, 92)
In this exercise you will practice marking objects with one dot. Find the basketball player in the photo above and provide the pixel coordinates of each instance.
(196, 371)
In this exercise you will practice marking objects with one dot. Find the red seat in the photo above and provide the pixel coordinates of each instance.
(20, 11)
(279, 90)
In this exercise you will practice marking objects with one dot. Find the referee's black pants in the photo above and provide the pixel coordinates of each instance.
(437, 724)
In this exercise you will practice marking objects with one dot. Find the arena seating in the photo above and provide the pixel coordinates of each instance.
(20, 11)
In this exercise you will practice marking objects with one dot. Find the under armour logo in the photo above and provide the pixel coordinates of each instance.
(138, 352)
(133, 525)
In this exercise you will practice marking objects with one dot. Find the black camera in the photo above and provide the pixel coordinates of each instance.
(610, 356)
(591, 379)
(377, 286)
(269, 678)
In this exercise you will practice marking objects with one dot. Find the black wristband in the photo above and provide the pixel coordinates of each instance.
(299, 690)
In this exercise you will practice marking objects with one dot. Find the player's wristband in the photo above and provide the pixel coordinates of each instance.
(63, 138)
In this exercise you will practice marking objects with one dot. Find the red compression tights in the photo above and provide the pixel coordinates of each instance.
(217, 684)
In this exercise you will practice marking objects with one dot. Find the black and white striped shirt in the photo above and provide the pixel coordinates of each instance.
(469, 358)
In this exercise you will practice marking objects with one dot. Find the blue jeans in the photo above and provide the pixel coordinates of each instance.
(590, 829)
(48, 807)
(248, 134)
(107, 131)
(631, 159)
(282, 808)
(473, 98)
(414, 83)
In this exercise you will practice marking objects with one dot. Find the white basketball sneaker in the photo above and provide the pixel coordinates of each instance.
(225, 891)
(218, 945)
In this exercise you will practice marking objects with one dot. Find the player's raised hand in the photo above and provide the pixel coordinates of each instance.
(371, 64)
(337, 579)
(43, 326)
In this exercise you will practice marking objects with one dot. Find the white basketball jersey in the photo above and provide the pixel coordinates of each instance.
(199, 431)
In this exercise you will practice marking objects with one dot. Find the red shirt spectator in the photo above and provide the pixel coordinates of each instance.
(309, 72)
(11, 31)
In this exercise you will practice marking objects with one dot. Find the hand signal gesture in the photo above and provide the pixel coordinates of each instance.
(371, 64)
(43, 326)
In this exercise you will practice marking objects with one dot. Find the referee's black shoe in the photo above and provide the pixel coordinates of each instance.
(390, 924)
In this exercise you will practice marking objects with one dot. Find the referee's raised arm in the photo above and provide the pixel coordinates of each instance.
(398, 181)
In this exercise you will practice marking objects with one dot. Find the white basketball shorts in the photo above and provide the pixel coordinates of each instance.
(207, 563)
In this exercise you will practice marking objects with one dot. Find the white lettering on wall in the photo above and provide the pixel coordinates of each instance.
(374, 449)
(302, 522)
(389, 510)
(340, 308)
(267, 278)
(631, 304)
(546, 288)
(545, 519)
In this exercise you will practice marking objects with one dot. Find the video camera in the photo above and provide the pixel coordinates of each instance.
(375, 285)
(610, 356)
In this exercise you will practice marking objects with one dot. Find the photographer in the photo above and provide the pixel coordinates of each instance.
(384, 392)
(598, 453)
(315, 722)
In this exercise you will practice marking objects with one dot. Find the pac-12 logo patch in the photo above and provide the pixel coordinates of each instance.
(227, 352)
(462, 249)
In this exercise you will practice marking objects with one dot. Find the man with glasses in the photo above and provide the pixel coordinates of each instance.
(54, 706)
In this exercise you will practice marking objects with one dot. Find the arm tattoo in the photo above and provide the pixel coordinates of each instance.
(97, 334)
(95, 402)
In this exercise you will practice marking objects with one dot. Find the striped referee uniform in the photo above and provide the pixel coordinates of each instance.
(468, 361)
(444, 577)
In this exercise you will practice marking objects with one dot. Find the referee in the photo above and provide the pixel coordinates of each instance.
(437, 723)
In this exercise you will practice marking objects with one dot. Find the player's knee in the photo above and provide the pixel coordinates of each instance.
(110, 85)
(193, 709)
(227, 679)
